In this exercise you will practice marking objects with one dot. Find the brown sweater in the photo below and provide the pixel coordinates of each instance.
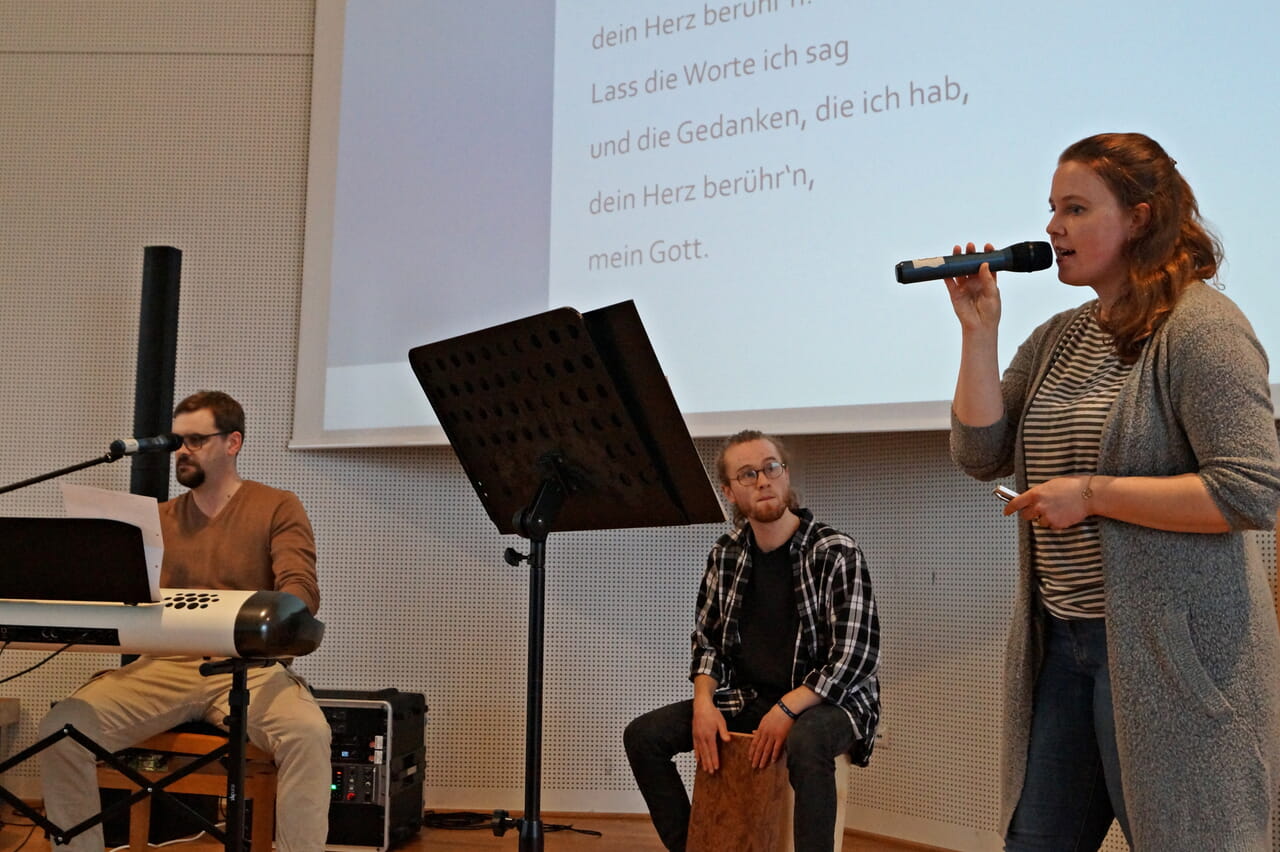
(260, 540)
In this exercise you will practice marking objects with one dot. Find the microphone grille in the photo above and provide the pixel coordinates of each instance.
(1031, 256)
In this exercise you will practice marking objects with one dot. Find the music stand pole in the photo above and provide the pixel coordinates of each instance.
(534, 523)
(531, 824)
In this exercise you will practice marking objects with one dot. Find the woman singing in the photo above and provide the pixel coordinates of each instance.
(1143, 667)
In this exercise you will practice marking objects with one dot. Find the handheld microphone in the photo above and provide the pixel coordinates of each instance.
(165, 443)
(1019, 257)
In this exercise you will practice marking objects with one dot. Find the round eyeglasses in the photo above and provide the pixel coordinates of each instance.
(772, 470)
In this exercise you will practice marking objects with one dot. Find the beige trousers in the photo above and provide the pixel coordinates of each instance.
(152, 694)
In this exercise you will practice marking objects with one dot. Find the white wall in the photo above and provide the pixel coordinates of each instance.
(127, 124)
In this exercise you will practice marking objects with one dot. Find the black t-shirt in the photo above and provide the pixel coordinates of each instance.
(768, 624)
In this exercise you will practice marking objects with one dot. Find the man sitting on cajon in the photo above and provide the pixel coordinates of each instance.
(786, 646)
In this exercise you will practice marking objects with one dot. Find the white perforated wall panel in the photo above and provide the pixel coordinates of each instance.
(127, 124)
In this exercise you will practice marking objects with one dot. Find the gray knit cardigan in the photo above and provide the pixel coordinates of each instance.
(1191, 629)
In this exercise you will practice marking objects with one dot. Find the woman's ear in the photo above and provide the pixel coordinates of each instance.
(1140, 218)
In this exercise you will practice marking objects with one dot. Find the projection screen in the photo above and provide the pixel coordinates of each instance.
(748, 173)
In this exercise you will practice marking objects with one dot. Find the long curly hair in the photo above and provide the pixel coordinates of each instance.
(1175, 249)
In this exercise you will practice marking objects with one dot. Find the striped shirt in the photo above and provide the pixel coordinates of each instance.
(1061, 434)
(837, 648)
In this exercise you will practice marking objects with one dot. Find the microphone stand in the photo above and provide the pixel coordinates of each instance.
(110, 456)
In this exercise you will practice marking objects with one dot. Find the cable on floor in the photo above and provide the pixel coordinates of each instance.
(499, 822)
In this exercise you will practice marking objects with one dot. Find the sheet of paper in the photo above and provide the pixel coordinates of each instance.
(83, 501)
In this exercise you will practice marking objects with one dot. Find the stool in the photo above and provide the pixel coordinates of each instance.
(209, 780)
(741, 809)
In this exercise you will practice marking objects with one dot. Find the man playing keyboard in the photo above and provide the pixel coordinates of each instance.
(225, 532)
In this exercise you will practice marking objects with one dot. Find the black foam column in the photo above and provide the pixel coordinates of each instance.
(157, 364)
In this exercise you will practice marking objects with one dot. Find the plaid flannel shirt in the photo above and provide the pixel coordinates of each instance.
(837, 652)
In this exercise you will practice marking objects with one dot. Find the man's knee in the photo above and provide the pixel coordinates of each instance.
(810, 745)
(70, 711)
(801, 743)
(309, 720)
(646, 733)
(635, 735)
(306, 734)
(316, 733)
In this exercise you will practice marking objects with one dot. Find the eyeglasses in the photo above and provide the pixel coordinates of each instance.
(195, 442)
(771, 470)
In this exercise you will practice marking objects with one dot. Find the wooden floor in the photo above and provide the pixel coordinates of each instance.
(625, 832)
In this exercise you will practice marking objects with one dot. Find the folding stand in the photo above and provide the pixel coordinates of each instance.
(564, 421)
(234, 749)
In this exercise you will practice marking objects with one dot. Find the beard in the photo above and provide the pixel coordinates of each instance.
(767, 513)
(189, 474)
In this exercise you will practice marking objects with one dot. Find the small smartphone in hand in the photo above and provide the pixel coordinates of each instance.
(1005, 494)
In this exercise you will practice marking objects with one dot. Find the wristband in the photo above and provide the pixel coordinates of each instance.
(787, 710)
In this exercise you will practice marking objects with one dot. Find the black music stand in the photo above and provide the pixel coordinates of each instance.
(564, 421)
(91, 560)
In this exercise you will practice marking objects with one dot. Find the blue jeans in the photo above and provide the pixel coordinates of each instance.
(1072, 790)
(820, 735)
